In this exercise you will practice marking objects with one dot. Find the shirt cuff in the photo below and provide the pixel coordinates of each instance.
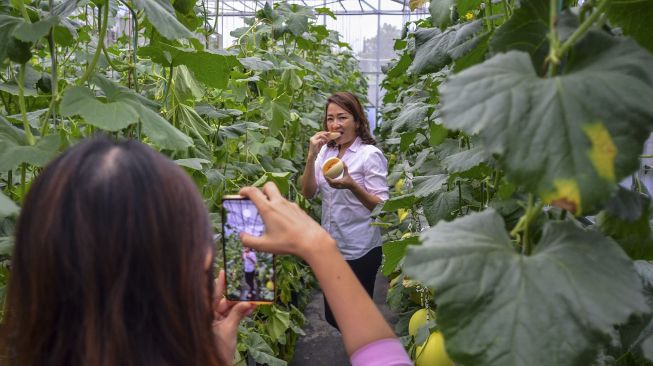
(384, 352)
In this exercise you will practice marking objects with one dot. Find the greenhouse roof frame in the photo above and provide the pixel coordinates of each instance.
(339, 7)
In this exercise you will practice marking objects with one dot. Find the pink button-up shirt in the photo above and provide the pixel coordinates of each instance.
(343, 215)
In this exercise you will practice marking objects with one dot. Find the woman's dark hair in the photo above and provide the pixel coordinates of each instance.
(109, 263)
(352, 105)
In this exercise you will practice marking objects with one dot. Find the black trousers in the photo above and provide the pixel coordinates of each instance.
(365, 269)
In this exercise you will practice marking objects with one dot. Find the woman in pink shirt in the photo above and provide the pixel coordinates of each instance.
(348, 200)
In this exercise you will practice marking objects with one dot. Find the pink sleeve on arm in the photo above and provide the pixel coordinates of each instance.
(376, 175)
(384, 352)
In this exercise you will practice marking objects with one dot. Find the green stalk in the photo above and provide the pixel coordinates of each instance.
(21, 103)
(103, 32)
(23, 185)
(488, 6)
(554, 42)
(582, 29)
(23, 10)
(135, 47)
(113, 66)
(10, 183)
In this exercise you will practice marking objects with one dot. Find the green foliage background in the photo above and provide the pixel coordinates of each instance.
(508, 127)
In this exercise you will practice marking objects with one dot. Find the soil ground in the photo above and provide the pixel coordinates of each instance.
(322, 344)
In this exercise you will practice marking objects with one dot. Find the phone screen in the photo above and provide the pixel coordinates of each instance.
(250, 274)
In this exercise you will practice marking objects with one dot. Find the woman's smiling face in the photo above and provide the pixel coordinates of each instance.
(339, 120)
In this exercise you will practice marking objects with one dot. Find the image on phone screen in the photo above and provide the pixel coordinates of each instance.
(250, 274)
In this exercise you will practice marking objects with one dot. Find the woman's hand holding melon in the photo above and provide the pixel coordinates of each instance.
(288, 229)
(344, 182)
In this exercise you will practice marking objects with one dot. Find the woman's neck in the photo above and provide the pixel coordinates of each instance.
(342, 148)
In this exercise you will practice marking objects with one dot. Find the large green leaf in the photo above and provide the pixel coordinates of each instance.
(7, 26)
(162, 15)
(626, 219)
(428, 184)
(634, 17)
(569, 138)
(111, 116)
(256, 63)
(441, 206)
(465, 160)
(498, 307)
(12, 154)
(412, 117)
(209, 67)
(32, 32)
(7, 206)
(441, 12)
(277, 112)
(394, 251)
(526, 31)
(434, 48)
(261, 351)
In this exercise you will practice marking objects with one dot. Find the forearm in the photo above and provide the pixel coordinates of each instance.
(307, 180)
(368, 200)
(357, 316)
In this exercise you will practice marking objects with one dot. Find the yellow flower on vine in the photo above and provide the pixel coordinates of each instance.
(469, 15)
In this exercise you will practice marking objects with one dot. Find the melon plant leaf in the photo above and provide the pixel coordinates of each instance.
(465, 160)
(434, 48)
(394, 251)
(277, 113)
(626, 219)
(441, 206)
(427, 185)
(7, 206)
(476, 52)
(493, 301)
(160, 131)
(526, 31)
(411, 118)
(465, 6)
(256, 63)
(441, 12)
(395, 203)
(569, 138)
(32, 32)
(12, 154)
(111, 116)
(192, 163)
(261, 352)
(211, 68)
(162, 16)
(7, 26)
(634, 18)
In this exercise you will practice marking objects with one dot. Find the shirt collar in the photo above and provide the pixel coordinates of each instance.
(357, 143)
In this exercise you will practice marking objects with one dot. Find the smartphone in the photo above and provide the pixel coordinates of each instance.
(250, 274)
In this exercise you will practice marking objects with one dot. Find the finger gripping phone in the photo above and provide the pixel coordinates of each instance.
(250, 274)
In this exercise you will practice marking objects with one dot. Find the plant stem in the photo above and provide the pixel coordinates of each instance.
(10, 183)
(581, 30)
(21, 103)
(554, 43)
(135, 48)
(23, 175)
(23, 10)
(54, 81)
(103, 12)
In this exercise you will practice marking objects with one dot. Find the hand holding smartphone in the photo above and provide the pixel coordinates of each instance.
(250, 274)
